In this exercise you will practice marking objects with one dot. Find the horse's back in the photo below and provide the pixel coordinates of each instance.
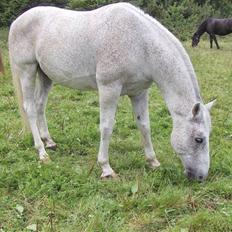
(76, 41)
(121, 22)
(219, 26)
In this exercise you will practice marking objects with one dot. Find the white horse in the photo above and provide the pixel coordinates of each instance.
(117, 50)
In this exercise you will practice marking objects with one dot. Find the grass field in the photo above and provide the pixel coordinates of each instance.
(68, 195)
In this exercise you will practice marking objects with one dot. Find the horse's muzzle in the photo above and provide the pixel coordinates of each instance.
(192, 175)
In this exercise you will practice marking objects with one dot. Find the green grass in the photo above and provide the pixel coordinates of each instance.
(68, 195)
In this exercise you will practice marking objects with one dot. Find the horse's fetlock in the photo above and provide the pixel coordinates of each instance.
(39, 147)
(102, 162)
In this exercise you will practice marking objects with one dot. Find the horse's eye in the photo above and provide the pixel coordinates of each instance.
(199, 140)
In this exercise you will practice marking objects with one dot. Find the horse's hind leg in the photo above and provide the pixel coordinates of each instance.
(215, 40)
(43, 86)
(140, 107)
(108, 98)
(211, 41)
(27, 76)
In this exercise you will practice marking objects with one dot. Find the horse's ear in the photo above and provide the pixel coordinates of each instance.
(210, 104)
(196, 110)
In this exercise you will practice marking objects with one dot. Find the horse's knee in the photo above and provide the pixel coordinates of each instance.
(144, 127)
(106, 131)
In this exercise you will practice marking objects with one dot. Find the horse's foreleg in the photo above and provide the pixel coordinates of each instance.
(215, 40)
(108, 98)
(27, 76)
(140, 107)
(43, 86)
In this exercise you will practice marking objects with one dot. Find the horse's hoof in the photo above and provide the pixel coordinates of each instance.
(153, 164)
(112, 176)
(46, 159)
(51, 146)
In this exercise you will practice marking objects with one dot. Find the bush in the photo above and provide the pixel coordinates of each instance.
(183, 18)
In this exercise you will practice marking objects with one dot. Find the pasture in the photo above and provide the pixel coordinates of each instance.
(68, 195)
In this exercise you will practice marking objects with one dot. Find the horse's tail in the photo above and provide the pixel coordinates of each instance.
(19, 95)
(1, 64)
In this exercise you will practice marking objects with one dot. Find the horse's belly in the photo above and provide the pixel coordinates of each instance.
(69, 73)
(134, 88)
(80, 82)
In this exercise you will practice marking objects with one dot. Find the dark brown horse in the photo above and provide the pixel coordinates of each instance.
(213, 27)
(1, 64)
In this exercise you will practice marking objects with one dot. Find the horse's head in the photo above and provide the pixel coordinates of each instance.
(195, 39)
(190, 139)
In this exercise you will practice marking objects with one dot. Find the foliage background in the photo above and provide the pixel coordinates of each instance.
(181, 17)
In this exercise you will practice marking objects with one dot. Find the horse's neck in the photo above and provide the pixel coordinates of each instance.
(179, 85)
(181, 96)
(202, 28)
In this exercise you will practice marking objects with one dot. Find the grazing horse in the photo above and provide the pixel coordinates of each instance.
(1, 63)
(116, 50)
(213, 27)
